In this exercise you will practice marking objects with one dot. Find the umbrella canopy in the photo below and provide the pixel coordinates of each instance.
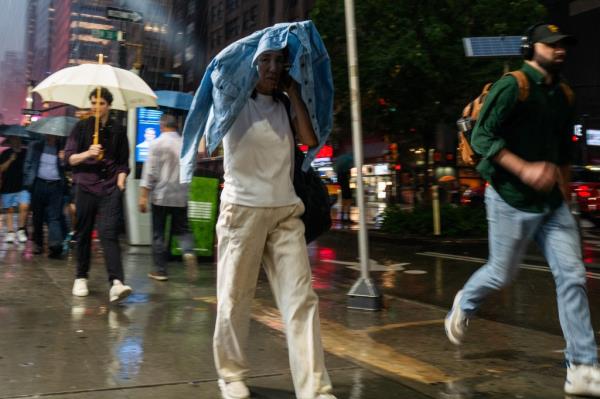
(13, 130)
(73, 86)
(174, 99)
(55, 125)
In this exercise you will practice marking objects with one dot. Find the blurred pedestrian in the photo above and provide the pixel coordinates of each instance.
(45, 178)
(260, 223)
(525, 149)
(100, 173)
(160, 182)
(14, 195)
(343, 165)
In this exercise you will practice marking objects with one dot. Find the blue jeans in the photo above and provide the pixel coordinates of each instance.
(46, 205)
(557, 235)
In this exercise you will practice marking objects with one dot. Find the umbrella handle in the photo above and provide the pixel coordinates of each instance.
(96, 139)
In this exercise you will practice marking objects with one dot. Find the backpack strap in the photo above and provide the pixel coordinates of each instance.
(568, 92)
(523, 83)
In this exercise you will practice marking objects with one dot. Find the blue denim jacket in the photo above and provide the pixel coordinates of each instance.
(232, 75)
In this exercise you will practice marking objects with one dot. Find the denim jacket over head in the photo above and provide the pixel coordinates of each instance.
(232, 75)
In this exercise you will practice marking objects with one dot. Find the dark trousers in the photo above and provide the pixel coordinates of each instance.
(46, 205)
(179, 229)
(107, 210)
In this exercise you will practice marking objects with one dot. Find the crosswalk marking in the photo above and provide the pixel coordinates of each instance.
(538, 268)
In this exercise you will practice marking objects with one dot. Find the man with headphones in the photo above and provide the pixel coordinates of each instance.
(525, 145)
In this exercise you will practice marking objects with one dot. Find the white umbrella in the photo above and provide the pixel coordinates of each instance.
(73, 86)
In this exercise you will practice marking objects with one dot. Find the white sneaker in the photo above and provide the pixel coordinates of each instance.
(325, 396)
(10, 237)
(583, 380)
(234, 390)
(80, 287)
(21, 236)
(456, 322)
(119, 291)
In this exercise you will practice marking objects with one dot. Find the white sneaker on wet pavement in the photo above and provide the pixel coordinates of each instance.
(456, 322)
(583, 380)
(80, 287)
(119, 291)
(234, 390)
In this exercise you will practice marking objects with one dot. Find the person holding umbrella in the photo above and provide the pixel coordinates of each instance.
(45, 178)
(13, 194)
(100, 171)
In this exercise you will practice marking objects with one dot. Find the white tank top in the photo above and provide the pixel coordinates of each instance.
(258, 156)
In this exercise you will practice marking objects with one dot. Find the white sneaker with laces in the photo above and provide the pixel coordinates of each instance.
(234, 390)
(583, 380)
(80, 287)
(119, 291)
(456, 322)
(21, 235)
(10, 237)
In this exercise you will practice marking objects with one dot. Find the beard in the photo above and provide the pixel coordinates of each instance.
(550, 66)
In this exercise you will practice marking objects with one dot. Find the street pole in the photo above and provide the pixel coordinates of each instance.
(364, 294)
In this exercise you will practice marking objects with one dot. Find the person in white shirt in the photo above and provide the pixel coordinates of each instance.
(160, 181)
(259, 223)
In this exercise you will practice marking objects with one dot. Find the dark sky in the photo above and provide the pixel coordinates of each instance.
(12, 25)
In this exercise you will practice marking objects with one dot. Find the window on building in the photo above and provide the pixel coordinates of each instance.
(250, 16)
(177, 60)
(232, 29)
(189, 53)
(231, 5)
(216, 38)
(216, 12)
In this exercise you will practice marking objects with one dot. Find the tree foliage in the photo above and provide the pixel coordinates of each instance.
(413, 71)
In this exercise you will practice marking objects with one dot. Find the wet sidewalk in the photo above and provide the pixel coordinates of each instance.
(157, 344)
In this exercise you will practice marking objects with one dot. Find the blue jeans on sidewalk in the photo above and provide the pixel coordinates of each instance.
(46, 205)
(557, 235)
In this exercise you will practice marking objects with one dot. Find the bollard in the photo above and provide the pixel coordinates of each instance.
(435, 201)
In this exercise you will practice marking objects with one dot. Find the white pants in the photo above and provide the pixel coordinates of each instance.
(250, 236)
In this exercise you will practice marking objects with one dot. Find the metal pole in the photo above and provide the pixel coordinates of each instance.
(435, 201)
(363, 294)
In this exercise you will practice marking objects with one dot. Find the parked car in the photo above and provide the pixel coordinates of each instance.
(585, 185)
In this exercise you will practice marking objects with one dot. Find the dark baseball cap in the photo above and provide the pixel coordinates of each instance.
(550, 34)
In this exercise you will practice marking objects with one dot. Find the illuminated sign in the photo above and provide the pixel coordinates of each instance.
(325, 152)
(148, 129)
(593, 137)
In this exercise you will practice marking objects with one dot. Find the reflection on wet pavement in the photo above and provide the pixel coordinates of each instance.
(158, 343)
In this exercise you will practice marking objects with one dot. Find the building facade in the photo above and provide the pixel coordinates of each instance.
(208, 26)
(12, 84)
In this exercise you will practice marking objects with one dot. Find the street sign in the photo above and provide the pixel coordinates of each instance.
(28, 111)
(107, 34)
(124, 15)
(492, 46)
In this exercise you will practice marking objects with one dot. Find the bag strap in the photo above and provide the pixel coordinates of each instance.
(568, 92)
(523, 83)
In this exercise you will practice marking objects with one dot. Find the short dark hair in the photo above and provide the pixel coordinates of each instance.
(169, 121)
(104, 94)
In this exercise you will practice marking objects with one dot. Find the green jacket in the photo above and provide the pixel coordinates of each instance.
(537, 129)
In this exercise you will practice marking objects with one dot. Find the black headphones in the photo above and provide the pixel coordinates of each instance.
(526, 41)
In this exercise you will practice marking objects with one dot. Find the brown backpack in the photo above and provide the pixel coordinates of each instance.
(471, 112)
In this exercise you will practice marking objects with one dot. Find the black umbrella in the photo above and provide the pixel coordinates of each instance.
(54, 125)
(13, 130)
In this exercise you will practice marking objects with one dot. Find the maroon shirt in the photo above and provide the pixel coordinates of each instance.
(94, 176)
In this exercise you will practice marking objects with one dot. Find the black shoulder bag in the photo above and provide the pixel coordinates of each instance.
(311, 190)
